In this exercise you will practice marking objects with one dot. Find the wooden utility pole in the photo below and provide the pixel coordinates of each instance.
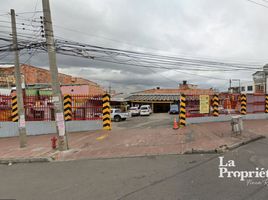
(57, 96)
(21, 112)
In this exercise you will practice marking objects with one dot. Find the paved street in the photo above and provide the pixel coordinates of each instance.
(74, 74)
(184, 177)
(137, 136)
(156, 120)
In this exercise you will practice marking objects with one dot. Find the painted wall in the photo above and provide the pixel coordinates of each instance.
(245, 87)
(225, 118)
(75, 89)
(10, 129)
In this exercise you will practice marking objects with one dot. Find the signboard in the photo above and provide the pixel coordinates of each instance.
(204, 104)
(60, 123)
(22, 123)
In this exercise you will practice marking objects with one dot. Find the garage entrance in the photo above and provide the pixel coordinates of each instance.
(161, 107)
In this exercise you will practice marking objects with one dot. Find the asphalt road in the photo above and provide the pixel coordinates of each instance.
(155, 120)
(170, 177)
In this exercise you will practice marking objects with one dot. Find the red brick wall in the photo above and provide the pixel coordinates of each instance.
(33, 75)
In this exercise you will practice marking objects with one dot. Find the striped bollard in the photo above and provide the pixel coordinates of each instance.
(67, 104)
(243, 110)
(14, 113)
(106, 112)
(182, 110)
(215, 105)
(266, 104)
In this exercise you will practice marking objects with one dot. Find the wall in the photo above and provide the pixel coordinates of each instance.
(224, 118)
(31, 92)
(245, 85)
(10, 129)
(35, 75)
(75, 89)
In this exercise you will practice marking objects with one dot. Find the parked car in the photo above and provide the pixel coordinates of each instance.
(174, 109)
(134, 111)
(118, 116)
(145, 110)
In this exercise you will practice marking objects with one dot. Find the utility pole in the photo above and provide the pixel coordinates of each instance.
(21, 112)
(265, 69)
(110, 88)
(230, 85)
(57, 96)
(265, 83)
(239, 84)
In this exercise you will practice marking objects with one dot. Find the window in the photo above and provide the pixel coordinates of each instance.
(242, 88)
(250, 88)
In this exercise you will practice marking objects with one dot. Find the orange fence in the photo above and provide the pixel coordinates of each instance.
(41, 108)
(228, 104)
(5, 108)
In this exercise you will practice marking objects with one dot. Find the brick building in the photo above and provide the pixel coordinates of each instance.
(161, 99)
(33, 76)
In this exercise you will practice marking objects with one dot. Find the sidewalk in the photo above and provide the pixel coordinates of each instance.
(135, 142)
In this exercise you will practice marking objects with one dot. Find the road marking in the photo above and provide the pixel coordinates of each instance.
(102, 137)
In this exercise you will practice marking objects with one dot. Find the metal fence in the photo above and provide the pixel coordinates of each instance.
(41, 108)
(228, 104)
(256, 103)
(86, 107)
(5, 108)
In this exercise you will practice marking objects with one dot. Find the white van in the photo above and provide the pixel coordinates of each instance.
(145, 110)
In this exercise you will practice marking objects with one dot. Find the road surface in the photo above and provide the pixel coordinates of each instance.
(170, 177)
(155, 120)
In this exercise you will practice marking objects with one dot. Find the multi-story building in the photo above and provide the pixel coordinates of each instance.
(260, 80)
(247, 87)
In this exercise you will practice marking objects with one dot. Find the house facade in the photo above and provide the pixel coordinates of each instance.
(247, 87)
(260, 80)
(38, 79)
(160, 99)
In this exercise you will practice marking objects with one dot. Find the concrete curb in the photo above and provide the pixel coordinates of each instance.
(25, 160)
(224, 148)
(120, 157)
(238, 144)
(201, 151)
(219, 150)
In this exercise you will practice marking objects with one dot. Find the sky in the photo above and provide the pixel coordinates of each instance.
(229, 30)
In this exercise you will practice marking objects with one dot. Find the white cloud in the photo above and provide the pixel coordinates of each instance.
(230, 30)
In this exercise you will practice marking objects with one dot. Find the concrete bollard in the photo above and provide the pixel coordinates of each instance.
(237, 125)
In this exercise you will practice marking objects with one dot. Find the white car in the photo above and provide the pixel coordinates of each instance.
(118, 116)
(134, 111)
(145, 110)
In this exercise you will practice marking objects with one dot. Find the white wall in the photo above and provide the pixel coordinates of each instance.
(246, 85)
(10, 129)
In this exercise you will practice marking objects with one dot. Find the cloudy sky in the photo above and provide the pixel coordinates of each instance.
(229, 30)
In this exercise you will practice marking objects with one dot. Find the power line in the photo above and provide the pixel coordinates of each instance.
(33, 20)
(123, 42)
(257, 3)
(132, 58)
(148, 57)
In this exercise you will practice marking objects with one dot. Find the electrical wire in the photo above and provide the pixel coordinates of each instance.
(30, 37)
(254, 2)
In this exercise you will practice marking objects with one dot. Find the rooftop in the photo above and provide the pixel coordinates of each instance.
(179, 91)
(159, 97)
(153, 97)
